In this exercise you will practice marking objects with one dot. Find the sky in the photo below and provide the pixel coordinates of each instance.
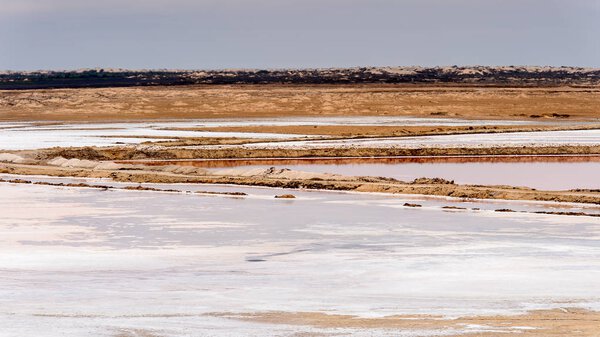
(217, 34)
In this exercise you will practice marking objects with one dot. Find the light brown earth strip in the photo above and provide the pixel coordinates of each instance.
(542, 323)
(253, 101)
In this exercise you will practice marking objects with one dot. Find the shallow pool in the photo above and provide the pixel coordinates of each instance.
(540, 172)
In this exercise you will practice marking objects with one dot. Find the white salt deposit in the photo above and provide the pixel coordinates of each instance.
(83, 262)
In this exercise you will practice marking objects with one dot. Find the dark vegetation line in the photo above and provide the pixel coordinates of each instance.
(488, 76)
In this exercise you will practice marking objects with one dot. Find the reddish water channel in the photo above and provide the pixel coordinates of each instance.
(540, 172)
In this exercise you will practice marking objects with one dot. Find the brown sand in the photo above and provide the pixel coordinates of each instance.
(243, 101)
(545, 323)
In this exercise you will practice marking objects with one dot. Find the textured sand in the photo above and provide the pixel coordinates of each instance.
(543, 323)
(112, 104)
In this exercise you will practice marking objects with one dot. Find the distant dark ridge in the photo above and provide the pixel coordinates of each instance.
(492, 76)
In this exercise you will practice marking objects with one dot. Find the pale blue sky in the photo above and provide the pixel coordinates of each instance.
(69, 34)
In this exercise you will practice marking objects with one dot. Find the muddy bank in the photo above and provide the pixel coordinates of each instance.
(156, 152)
(218, 163)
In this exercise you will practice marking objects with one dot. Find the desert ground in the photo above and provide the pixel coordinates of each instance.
(300, 210)
(251, 101)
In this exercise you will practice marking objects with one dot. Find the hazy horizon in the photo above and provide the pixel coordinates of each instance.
(287, 68)
(271, 34)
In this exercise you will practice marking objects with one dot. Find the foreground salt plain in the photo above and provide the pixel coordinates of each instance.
(88, 262)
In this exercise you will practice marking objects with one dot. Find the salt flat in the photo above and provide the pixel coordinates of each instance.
(29, 136)
(80, 262)
(538, 138)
